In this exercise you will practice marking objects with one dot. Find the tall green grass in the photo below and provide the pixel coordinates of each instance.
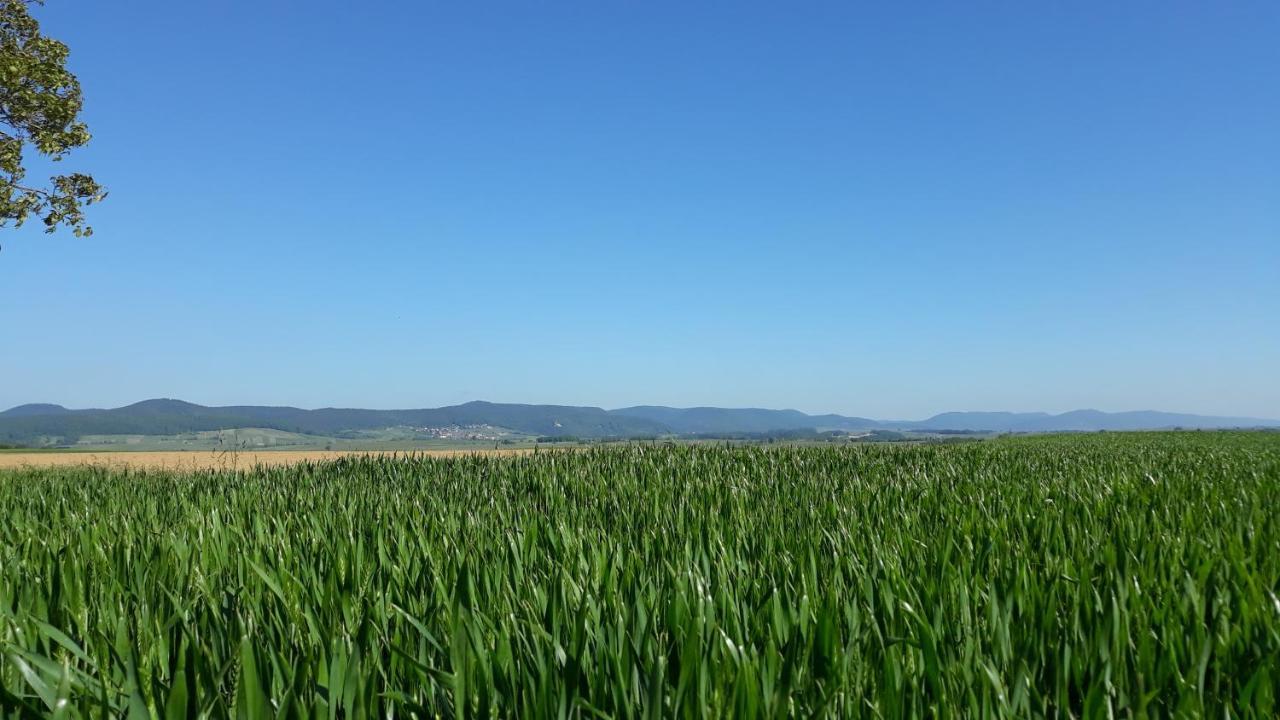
(1125, 575)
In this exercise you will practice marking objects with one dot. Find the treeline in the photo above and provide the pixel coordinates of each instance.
(552, 439)
(799, 434)
(785, 435)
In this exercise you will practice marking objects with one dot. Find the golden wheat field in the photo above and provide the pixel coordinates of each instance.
(200, 460)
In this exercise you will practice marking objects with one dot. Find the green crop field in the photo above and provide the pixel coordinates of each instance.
(1124, 575)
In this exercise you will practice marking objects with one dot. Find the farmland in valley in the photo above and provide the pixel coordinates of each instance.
(1086, 575)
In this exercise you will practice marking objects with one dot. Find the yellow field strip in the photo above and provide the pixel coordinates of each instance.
(177, 460)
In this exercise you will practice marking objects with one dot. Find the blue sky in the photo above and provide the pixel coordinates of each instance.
(883, 211)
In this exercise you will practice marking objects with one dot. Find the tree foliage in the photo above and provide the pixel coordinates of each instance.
(40, 104)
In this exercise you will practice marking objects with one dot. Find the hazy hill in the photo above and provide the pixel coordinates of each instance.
(994, 421)
(34, 409)
(1080, 420)
(753, 420)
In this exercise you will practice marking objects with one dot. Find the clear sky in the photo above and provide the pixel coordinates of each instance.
(837, 207)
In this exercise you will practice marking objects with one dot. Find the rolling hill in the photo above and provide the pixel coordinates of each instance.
(1081, 420)
(166, 417)
(745, 420)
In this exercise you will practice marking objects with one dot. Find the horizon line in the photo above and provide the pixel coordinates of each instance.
(670, 407)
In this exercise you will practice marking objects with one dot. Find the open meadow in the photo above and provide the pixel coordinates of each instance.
(1131, 575)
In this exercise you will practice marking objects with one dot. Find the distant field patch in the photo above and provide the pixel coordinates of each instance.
(204, 460)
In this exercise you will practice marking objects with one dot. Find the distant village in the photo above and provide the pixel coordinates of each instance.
(463, 432)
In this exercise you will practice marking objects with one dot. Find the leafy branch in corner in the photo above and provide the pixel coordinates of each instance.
(40, 103)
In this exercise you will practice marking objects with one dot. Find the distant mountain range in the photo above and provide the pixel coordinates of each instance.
(1086, 420)
(44, 423)
(720, 420)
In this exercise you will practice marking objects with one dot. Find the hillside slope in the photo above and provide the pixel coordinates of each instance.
(1081, 420)
(740, 420)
